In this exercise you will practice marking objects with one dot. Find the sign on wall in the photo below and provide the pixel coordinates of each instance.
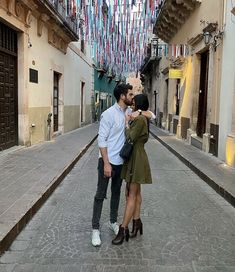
(103, 96)
(175, 73)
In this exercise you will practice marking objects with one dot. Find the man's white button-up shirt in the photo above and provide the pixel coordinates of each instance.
(112, 132)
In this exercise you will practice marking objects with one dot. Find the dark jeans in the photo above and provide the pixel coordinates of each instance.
(102, 191)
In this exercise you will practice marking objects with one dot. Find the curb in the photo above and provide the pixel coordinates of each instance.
(220, 190)
(12, 234)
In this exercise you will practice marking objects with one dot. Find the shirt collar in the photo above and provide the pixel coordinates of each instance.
(119, 107)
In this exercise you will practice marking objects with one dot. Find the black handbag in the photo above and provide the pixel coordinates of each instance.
(126, 150)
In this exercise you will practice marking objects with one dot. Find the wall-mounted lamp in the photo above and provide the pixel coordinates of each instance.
(110, 75)
(100, 72)
(118, 78)
(207, 37)
(155, 45)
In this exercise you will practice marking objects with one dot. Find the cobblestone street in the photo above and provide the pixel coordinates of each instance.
(188, 227)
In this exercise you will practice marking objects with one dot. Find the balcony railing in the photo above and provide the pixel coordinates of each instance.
(155, 52)
(68, 19)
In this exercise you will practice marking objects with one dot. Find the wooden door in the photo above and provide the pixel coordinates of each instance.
(56, 102)
(82, 101)
(202, 105)
(8, 88)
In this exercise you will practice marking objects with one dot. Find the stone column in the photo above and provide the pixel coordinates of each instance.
(23, 89)
(195, 96)
(171, 106)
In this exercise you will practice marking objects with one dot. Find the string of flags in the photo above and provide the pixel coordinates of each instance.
(178, 50)
(117, 30)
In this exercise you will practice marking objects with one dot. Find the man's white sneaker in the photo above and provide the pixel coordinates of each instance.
(95, 239)
(114, 227)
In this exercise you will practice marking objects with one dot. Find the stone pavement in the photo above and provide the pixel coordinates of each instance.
(213, 171)
(188, 227)
(29, 175)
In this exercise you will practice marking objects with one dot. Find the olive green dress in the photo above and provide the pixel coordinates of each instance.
(137, 169)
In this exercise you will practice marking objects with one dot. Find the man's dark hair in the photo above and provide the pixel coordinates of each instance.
(141, 102)
(121, 89)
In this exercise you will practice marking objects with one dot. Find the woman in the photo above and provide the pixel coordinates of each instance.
(136, 171)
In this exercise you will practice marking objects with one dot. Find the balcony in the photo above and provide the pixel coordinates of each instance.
(154, 53)
(58, 10)
(172, 14)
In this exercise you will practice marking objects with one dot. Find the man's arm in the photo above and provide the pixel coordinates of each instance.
(107, 165)
(104, 130)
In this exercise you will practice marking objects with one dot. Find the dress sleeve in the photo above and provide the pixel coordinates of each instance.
(135, 130)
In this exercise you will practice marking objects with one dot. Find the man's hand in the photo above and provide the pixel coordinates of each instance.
(107, 170)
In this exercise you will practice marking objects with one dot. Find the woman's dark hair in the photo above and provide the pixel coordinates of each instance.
(141, 102)
(121, 89)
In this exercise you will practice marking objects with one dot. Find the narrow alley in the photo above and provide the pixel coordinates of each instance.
(188, 227)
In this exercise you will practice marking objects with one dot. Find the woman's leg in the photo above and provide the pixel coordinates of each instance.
(138, 204)
(130, 203)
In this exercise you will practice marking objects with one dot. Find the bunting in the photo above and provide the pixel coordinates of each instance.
(118, 31)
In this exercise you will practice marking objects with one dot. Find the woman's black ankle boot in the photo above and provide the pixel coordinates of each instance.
(133, 225)
(137, 226)
(123, 233)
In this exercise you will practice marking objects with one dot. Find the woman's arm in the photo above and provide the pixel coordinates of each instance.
(148, 114)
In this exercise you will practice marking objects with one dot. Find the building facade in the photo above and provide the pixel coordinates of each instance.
(227, 97)
(46, 79)
(104, 84)
(185, 80)
(135, 81)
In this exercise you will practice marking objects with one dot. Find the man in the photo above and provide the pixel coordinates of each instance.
(110, 141)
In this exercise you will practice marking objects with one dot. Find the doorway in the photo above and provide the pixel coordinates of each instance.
(202, 103)
(165, 109)
(82, 101)
(56, 102)
(8, 88)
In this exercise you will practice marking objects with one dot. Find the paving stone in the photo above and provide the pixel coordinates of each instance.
(7, 267)
(24, 268)
(27, 173)
(20, 245)
(185, 230)
(11, 257)
(211, 166)
(49, 268)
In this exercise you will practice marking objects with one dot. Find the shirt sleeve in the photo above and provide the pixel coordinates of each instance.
(136, 129)
(153, 117)
(104, 130)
